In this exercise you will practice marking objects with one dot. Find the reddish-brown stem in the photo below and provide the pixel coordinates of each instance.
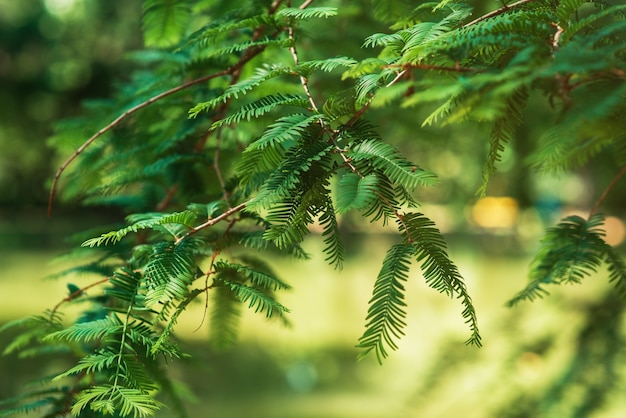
(357, 115)
(117, 121)
(557, 35)
(306, 4)
(303, 81)
(606, 192)
(496, 12)
(233, 70)
(77, 293)
(215, 220)
(455, 69)
(598, 76)
(167, 199)
(207, 287)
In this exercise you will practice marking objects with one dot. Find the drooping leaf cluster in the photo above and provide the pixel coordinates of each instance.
(222, 150)
(573, 249)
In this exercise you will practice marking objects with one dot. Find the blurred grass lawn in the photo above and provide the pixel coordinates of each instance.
(310, 369)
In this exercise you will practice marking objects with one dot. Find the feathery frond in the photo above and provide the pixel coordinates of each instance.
(439, 271)
(257, 299)
(308, 13)
(132, 402)
(140, 222)
(388, 159)
(334, 249)
(224, 318)
(89, 331)
(169, 272)
(355, 192)
(502, 133)
(387, 313)
(165, 21)
(285, 178)
(256, 277)
(261, 75)
(262, 106)
(573, 249)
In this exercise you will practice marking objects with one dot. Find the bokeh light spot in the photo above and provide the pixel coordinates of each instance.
(59, 7)
(615, 230)
(495, 212)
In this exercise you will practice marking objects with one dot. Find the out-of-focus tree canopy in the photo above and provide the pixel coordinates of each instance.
(53, 54)
(246, 127)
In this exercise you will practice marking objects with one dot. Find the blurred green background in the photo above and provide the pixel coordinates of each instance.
(558, 357)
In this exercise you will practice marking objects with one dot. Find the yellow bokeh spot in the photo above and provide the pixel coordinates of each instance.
(615, 230)
(496, 212)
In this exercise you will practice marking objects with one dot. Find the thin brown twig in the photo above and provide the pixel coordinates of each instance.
(557, 35)
(215, 220)
(456, 69)
(167, 199)
(221, 111)
(303, 81)
(618, 72)
(348, 162)
(306, 4)
(274, 6)
(207, 287)
(234, 70)
(117, 121)
(606, 192)
(77, 293)
(599, 76)
(497, 12)
(367, 105)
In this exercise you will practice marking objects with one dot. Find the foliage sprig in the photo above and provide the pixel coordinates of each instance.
(247, 153)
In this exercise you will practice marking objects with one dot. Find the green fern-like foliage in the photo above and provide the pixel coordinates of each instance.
(387, 312)
(165, 21)
(572, 250)
(231, 142)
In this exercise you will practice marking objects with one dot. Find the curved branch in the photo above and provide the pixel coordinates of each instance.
(496, 12)
(215, 220)
(606, 192)
(233, 70)
(117, 121)
(78, 293)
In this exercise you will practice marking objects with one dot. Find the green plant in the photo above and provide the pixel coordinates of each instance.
(225, 144)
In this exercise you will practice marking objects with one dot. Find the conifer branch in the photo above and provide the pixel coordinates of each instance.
(306, 4)
(429, 67)
(213, 221)
(476, 70)
(497, 12)
(606, 192)
(303, 81)
(557, 35)
(207, 287)
(120, 354)
(167, 199)
(117, 121)
(76, 294)
(357, 115)
(233, 70)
